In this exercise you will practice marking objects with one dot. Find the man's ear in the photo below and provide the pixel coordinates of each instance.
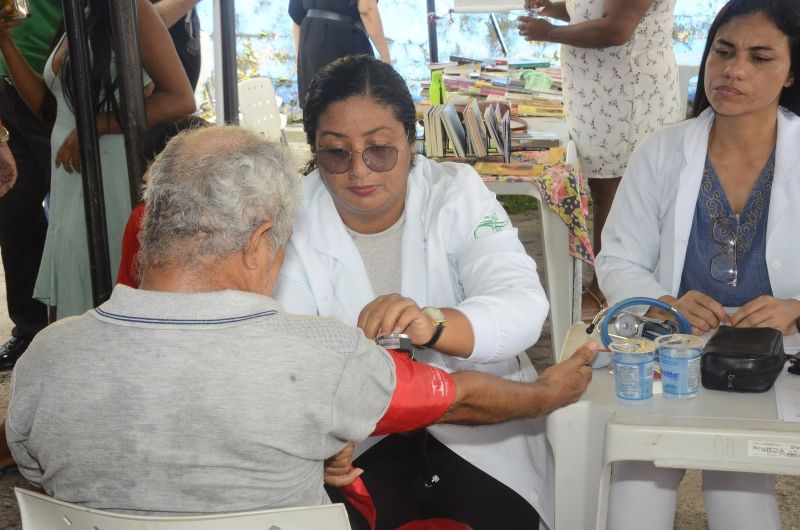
(257, 245)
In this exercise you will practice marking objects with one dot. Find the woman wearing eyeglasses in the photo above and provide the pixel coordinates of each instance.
(393, 242)
(707, 218)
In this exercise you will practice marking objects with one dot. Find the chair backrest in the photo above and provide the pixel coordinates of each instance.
(258, 108)
(40, 512)
(685, 73)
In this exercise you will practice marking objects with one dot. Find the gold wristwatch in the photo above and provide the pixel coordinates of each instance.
(4, 135)
(439, 320)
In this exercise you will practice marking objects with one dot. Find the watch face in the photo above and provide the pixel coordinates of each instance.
(435, 314)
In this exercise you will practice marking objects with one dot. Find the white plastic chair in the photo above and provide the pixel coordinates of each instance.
(258, 108)
(40, 512)
(685, 73)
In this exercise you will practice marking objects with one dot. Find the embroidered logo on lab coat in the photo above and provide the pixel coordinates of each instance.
(490, 224)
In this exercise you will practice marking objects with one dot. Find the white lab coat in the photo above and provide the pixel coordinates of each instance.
(647, 232)
(458, 250)
(644, 249)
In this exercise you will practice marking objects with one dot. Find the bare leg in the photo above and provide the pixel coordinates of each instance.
(603, 192)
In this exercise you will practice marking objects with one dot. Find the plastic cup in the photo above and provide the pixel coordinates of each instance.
(679, 356)
(634, 361)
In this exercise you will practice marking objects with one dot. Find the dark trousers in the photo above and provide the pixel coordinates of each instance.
(399, 471)
(22, 221)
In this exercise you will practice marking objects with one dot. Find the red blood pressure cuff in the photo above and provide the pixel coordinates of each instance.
(423, 393)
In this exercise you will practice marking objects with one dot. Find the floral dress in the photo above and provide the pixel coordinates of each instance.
(614, 96)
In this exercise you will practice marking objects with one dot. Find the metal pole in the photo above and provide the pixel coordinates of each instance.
(433, 42)
(499, 33)
(219, 87)
(227, 40)
(93, 198)
(124, 28)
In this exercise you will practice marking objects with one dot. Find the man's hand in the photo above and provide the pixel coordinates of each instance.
(567, 380)
(394, 313)
(68, 154)
(768, 312)
(8, 170)
(703, 312)
(534, 29)
(339, 470)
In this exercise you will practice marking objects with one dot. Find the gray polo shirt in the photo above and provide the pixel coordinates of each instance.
(192, 403)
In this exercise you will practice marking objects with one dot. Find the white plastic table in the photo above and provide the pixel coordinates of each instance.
(717, 430)
(563, 271)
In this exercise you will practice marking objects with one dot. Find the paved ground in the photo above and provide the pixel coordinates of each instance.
(691, 509)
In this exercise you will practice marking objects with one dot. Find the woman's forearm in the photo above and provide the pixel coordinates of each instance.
(558, 10)
(616, 27)
(29, 84)
(296, 35)
(370, 16)
(457, 338)
(171, 11)
(599, 33)
(158, 107)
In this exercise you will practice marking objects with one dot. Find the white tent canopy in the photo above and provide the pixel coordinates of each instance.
(478, 6)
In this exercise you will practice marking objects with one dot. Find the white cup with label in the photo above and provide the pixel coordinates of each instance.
(634, 363)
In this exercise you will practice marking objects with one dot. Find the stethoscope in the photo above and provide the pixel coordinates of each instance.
(628, 325)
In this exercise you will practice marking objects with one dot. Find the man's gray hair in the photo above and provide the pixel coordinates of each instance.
(209, 189)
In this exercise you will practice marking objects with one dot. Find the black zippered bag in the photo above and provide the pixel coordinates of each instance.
(742, 359)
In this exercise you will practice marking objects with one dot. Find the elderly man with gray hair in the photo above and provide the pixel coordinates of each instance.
(197, 393)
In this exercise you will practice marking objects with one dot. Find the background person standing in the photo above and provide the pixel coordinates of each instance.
(620, 83)
(325, 30)
(23, 225)
(180, 16)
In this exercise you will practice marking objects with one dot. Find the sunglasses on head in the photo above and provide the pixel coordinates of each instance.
(378, 158)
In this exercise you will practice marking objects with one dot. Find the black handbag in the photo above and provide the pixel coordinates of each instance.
(742, 359)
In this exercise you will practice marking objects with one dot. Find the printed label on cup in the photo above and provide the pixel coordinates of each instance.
(634, 362)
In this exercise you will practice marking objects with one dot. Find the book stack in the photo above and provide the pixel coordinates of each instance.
(499, 86)
(471, 136)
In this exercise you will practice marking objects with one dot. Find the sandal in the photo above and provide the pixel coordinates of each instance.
(8, 469)
(587, 311)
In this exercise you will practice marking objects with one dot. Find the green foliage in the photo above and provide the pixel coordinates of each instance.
(246, 62)
(694, 27)
(518, 203)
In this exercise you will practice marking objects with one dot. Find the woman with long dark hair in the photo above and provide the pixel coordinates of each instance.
(706, 219)
(64, 276)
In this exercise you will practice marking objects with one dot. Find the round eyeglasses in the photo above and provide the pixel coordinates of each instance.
(378, 158)
(723, 266)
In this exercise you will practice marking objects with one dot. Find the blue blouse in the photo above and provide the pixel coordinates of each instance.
(708, 242)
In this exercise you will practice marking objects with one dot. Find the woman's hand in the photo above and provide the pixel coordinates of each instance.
(768, 312)
(393, 313)
(68, 155)
(540, 6)
(6, 26)
(703, 312)
(535, 28)
(8, 170)
(339, 470)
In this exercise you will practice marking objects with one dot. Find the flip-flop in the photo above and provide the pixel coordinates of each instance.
(8, 469)
(588, 314)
